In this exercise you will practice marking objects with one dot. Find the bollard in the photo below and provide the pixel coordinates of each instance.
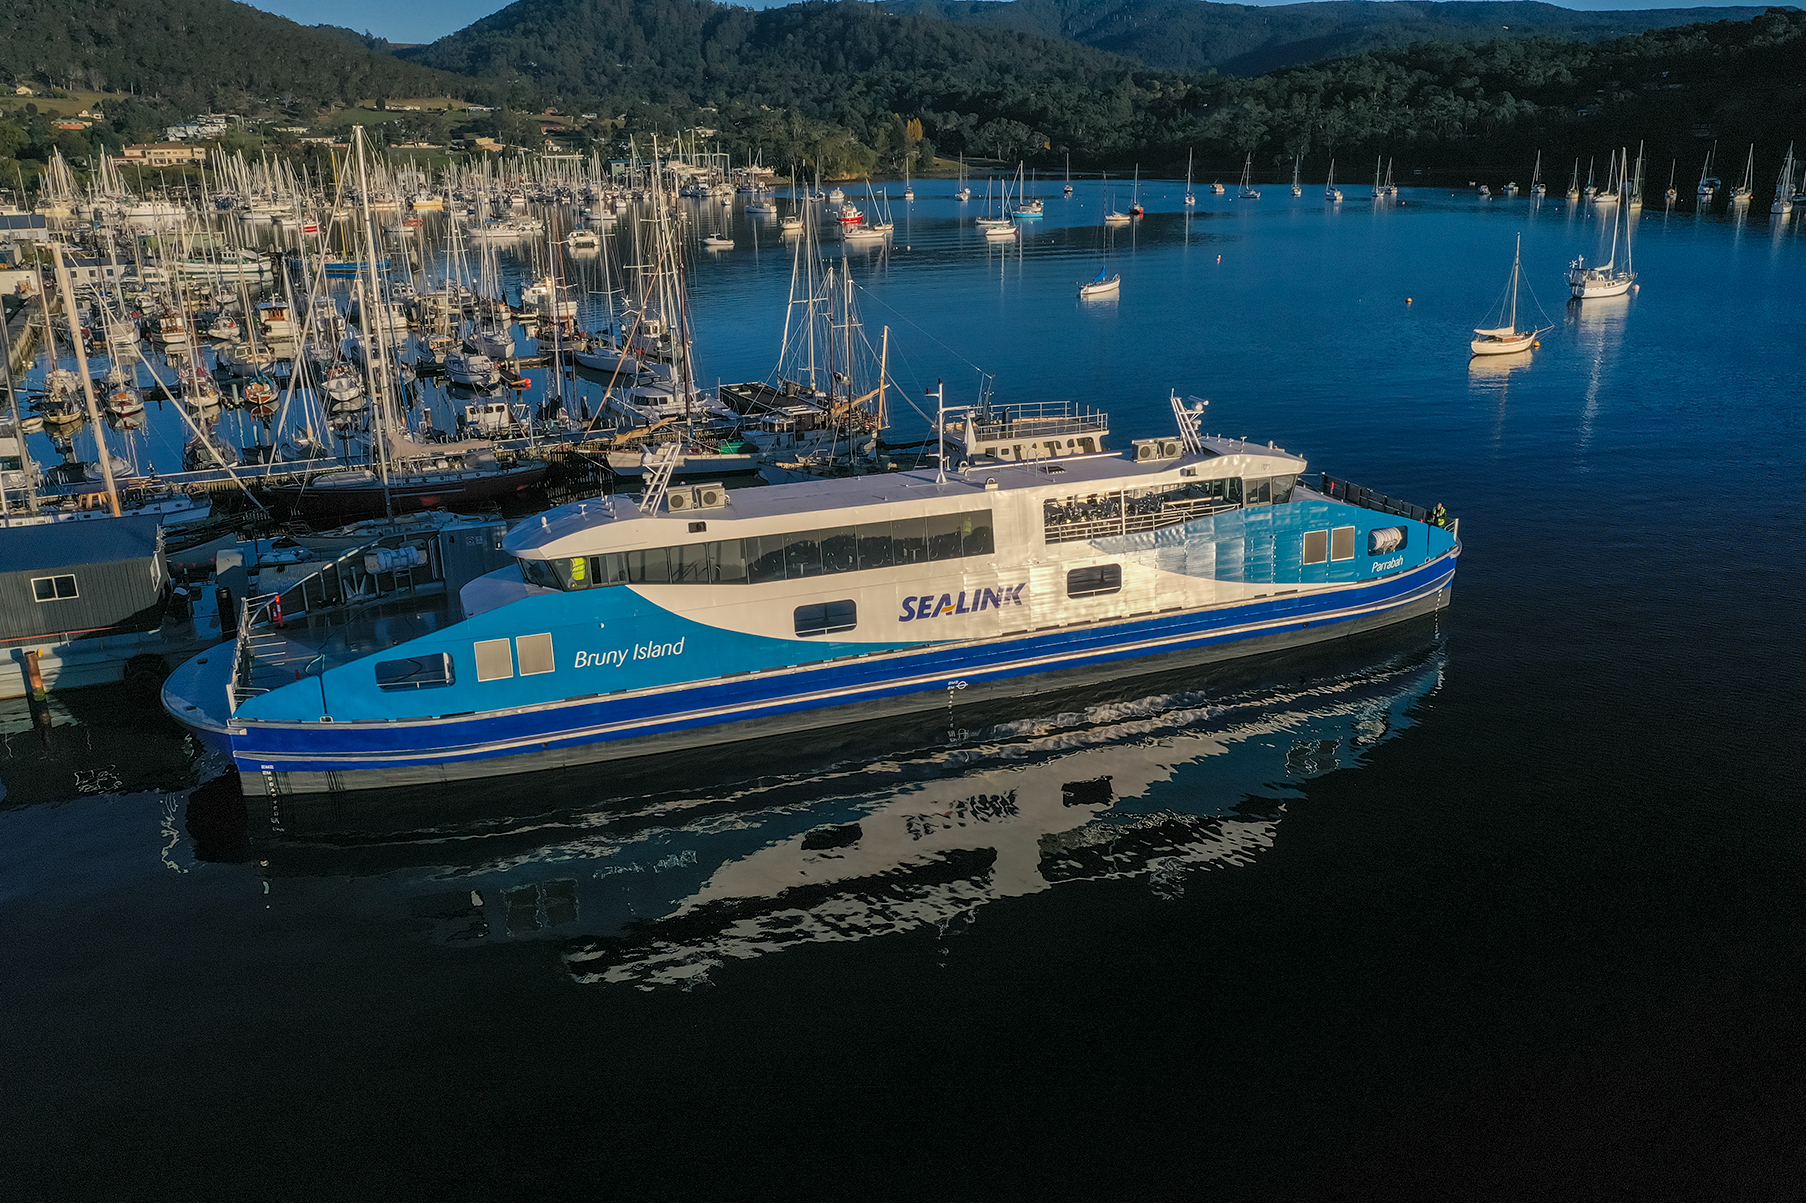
(38, 697)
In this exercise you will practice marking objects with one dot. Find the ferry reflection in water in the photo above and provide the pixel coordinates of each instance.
(856, 833)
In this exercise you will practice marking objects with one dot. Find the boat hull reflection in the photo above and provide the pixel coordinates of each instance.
(875, 832)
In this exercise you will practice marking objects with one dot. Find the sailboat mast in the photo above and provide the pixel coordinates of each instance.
(378, 392)
(1517, 260)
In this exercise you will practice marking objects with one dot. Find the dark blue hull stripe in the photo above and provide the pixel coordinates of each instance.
(317, 747)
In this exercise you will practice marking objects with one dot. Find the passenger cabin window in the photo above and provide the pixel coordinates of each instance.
(761, 559)
(1094, 581)
(1098, 515)
(1316, 546)
(826, 618)
(53, 588)
(416, 672)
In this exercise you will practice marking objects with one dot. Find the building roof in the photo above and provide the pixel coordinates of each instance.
(66, 545)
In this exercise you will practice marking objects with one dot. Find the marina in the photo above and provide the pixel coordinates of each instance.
(1454, 814)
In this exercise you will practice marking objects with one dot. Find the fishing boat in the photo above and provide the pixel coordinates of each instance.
(1247, 191)
(695, 617)
(1507, 339)
(1605, 279)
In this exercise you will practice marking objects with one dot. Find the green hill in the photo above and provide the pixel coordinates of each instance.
(196, 55)
(1240, 39)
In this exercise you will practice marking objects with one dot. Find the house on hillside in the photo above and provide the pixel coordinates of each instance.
(162, 154)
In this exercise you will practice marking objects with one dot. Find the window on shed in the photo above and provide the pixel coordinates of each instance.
(1094, 581)
(1342, 543)
(416, 672)
(53, 588)
(535, 652)
(826, 618)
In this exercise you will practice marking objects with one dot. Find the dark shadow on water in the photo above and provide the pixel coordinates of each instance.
(654, 871)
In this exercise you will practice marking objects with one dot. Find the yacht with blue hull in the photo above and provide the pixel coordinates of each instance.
(692, 617)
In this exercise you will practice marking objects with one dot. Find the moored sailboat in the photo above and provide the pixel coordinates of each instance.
(1507, 339)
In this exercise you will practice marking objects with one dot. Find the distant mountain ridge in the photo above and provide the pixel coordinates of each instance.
(1242, 39)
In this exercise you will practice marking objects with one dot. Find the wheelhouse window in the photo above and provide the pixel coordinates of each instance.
(826, 618)
(1094, 581)
(415, 672)
(53, 588)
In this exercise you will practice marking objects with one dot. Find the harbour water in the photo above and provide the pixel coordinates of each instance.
(1502, 903)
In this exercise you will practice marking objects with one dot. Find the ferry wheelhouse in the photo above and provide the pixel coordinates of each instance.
(695, 617)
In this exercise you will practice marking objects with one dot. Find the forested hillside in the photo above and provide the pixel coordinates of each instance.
(1241, 39)
(196, 55)
(842, 83)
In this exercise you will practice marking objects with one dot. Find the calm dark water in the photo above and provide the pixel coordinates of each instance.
(1505, 904)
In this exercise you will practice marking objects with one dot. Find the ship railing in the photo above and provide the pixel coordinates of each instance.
(266, 654)
(1105, 517)
(1037, 419)
(1353, 494)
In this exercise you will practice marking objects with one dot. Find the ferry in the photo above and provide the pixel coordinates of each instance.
(693, 616)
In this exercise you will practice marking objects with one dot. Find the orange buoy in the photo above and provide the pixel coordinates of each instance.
(1407, 300)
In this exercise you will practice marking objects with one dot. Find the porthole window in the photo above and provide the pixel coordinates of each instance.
(826, 618)
(1384, 540)
(415, 672)
(1095, 581)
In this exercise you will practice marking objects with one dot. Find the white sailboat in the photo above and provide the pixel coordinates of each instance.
(1112, 216)
(1740, 195)
(1331, 193)
(1508, 339)
(1671, 195)
(1379, 192)
(1783, 204)
(1068, 191)
(1248, 190)
(1190, 198)
(1537, 187)
(1297, 166)
(1709, 184)
(1607, 279)
(1103, 284)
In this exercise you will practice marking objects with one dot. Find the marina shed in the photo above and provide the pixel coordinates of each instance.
(74, 578)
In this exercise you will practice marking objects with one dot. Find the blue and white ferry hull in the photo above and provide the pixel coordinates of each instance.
(1042, 594)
